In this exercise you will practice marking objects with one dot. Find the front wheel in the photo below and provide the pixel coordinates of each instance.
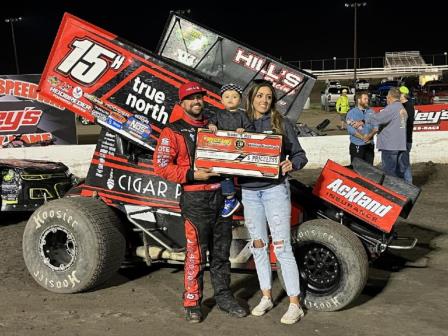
(332, 262)
(74, 244)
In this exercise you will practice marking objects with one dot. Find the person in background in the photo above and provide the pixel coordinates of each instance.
(268, 202)
(342, 107)
(361, 141)
(409, 107)
(391, 140)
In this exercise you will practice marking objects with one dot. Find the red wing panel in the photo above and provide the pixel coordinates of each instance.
(359, 196)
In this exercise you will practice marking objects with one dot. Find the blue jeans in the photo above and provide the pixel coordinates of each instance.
(273, 206)
(408, 172)
(394, 162)
(227, 187)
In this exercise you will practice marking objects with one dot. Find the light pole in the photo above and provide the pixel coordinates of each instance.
(11, 21)
(334, 62)
(355, 6)
(445, 53)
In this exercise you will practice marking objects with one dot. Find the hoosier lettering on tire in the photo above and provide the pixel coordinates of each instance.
(73, 244)
(332, 262)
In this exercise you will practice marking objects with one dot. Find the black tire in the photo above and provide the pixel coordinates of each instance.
(71, 245)
(343, 268)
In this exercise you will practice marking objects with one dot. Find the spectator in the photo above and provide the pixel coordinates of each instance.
(361, 129)
(409, 107)
(342, 107)
(392, 135)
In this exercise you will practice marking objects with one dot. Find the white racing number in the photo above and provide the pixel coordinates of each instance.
(87, 61)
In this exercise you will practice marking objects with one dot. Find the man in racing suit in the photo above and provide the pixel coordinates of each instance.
(201, 202)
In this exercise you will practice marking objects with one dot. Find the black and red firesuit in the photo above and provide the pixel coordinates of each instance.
(201, 203)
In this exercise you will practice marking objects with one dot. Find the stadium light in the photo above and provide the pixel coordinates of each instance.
(11, 21)
(355, 6)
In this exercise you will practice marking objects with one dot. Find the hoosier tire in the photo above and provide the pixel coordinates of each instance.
(71, 245)
(332, 262)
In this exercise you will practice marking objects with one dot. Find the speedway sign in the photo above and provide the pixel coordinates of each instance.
(359, 196)
(428, 118)
(247, 154)
(121, 87)
(27, 118)
(431, 118)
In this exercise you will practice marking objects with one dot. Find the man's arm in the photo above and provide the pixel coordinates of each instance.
(165, 157)
(383, 117)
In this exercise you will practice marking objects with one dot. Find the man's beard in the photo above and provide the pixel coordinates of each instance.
(194, 115)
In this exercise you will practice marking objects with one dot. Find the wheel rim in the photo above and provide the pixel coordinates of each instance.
(319, 267)
(57, 248)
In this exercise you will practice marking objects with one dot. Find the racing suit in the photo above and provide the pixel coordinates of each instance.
(201, 203)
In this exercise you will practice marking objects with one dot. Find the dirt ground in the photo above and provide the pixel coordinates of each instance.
(405, 295)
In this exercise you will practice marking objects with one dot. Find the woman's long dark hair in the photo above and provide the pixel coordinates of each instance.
(276, 117)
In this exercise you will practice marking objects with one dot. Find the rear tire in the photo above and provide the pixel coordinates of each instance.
(332, 262)
(71, 245)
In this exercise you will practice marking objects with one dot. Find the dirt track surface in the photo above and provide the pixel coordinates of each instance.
(405, 295)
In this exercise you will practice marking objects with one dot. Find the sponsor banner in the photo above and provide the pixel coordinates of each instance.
(122, 87)
(428, 118)
(27, 118)
(224, 60)
(359, 196)
(116, 177)
(247, 154)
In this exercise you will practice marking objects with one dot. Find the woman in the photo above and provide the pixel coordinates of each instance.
(267, 200)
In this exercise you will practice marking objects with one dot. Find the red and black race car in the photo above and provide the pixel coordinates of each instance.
(124, 210)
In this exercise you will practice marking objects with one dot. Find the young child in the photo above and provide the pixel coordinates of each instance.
(233, 118)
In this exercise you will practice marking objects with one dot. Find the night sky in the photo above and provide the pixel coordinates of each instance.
(316, 30)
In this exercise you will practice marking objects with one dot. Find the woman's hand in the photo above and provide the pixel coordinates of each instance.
(286, 166)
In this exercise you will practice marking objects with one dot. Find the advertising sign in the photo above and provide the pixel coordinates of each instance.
(28, 119)
(224, 60)
(359, 196)
(121, 87)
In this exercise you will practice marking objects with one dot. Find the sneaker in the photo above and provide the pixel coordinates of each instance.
(264, 305)
(193, 314)
(230, 206)
(294, 314)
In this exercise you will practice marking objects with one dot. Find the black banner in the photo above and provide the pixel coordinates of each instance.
(28, 119)
(224, 60)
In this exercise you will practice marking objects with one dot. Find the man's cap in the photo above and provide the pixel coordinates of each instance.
(231, 86)
(190, 88)
(344, 90)
(404, 90)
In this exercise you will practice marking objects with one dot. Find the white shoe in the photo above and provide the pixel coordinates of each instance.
(294, 314)
(264, 305)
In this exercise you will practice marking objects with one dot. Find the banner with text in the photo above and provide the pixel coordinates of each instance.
(122, 87)
(223, 60)
(28, 119)
(428, 118)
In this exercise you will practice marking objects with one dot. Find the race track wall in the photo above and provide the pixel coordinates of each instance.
(428, 146)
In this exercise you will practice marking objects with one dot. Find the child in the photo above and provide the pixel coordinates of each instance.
(232, 118)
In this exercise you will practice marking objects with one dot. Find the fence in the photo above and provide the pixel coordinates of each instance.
(362, 62)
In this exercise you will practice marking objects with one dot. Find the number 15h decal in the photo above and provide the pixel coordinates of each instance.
(88, 61)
